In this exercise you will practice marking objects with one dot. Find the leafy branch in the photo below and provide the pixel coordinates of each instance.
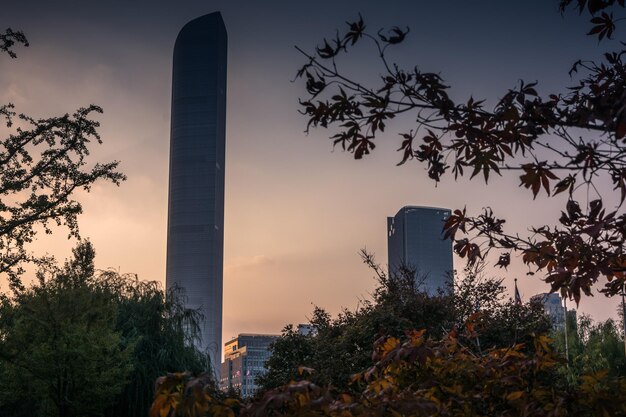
(558, 143)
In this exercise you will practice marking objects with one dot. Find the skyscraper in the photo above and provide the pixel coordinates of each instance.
(415, 239)
(553, 306)
(195, 229)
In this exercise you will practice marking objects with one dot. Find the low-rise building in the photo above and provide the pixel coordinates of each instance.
(244, 360)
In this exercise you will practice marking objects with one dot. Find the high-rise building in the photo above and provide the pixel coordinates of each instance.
(554, 308)
(195, 229)
(307, 329)
(244, 361)
(415, 240)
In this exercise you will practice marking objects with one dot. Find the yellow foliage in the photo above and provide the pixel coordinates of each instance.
(515, 395)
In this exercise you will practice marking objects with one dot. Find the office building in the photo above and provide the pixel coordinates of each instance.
(307, 329)
(195, 226)
(554, 308)
(415, 240)
(244, 361)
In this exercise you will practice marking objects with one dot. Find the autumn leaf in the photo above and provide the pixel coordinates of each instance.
(455, 223)
(516, 395)
(535, 176)
(305, 370)
(604, 26)
(504, 260)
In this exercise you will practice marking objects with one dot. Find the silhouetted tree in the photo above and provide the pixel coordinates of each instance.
(342, 346)
(43, 162)
(9, 38)
(558, 143)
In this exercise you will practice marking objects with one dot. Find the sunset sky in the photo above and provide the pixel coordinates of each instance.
(296, 212)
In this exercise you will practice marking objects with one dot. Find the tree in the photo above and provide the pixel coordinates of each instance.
(593, 347)
(9, 38)
(558, 143)
(163, 334)
(61, 355)
(289, 353)
(90, 329)
(419, 377)
(42, 163)
(342, 346)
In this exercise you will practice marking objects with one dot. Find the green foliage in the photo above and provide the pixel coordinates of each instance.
(342, 346)
(421, 376)
(89, 328)
(82, 342)
(290, 353)
(163, 333)
(555, 143)
(593, 347)
(61, 355)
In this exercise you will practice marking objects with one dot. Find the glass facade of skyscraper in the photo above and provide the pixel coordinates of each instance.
(415, 240)
(195, 232)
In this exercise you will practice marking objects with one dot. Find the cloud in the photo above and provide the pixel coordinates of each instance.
(243, 262)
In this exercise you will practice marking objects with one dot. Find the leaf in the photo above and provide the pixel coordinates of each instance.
(504, 260)
(406, 146)
(464, 248)
(515, 395)
(455, 223)
(604, 26)
(573, 209)
(356, 30)
(594, 6)
(390, 344)
(326, 51)
(397, 35)
(566, 183)
(536, 176)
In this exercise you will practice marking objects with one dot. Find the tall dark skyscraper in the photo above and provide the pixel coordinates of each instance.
(415, 239)
(195, 229)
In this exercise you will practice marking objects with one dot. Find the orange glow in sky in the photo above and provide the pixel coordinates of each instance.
(296, 211)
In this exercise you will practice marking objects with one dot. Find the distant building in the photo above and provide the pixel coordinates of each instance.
(307, 329)
(415, 239)
(244, 361)
(553, 306)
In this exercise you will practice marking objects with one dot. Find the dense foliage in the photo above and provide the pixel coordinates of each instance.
(80, 342)
(418, 377)
(570, 143)
(342, 346)
(592, 347)
(59, 351)
(163, 333)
